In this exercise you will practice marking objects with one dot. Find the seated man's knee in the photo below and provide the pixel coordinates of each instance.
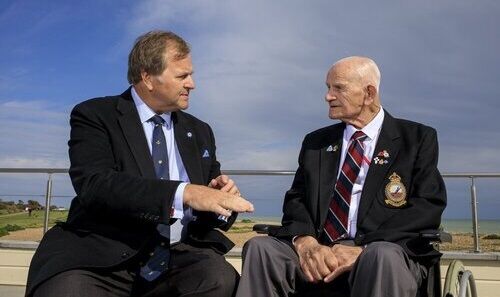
(69, 283)
(382, 250)
(222, 276)
(259, 245)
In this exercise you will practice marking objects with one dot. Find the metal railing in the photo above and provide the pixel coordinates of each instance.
(471, 176)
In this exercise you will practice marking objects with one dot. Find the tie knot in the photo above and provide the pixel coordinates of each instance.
(157, 120)
(358, 135)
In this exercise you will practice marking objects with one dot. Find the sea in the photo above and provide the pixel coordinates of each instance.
(449, 225)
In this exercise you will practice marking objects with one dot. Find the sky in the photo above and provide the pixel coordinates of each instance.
(260, 70)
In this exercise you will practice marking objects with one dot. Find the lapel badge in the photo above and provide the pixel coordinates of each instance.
(395, 191)
(189, 134)
(382, 158)
(332, 148)
(205, 154)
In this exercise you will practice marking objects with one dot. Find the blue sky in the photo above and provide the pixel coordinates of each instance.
(260, 71)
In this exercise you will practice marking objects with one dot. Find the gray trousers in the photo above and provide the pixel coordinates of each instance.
(271, 268)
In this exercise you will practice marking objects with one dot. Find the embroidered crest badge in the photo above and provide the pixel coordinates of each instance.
(395, 191)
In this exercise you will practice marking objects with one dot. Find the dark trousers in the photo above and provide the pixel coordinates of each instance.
(192, 272)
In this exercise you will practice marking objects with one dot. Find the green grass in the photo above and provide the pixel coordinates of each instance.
(36, 219)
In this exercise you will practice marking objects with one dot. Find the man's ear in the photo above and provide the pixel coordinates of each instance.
(371, 94)
(147, 79)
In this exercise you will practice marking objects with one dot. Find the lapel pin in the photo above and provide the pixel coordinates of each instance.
(330, 148)
(382, 158)
(189, 134)
(336, 148)
(205, 154)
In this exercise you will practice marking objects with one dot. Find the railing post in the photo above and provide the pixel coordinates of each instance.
(473, 201)
(48, 197)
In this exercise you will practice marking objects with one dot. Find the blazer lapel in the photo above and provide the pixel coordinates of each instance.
(188, 148)
(134, 134)
(388, 140)
(329, 166)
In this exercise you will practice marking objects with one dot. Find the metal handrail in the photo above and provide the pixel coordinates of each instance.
(470, 175)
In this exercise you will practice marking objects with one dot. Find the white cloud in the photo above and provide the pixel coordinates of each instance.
(33, 135)
(260, 69)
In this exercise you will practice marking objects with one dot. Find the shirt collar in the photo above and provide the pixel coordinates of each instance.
(371, 130)
(145, 112)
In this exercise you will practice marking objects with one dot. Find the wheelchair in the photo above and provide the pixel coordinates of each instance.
(459, 282)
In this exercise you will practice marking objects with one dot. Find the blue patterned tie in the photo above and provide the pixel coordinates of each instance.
(158, 261)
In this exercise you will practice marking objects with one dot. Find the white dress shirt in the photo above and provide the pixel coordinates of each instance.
(175, 165)
(372, 130)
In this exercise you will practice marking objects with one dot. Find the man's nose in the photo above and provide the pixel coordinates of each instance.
(189, 83)
(329, 96)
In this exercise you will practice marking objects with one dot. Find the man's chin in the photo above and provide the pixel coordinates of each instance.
(333, 116)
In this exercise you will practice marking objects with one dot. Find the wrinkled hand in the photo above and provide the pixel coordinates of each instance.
(346, 256)
(317, 261)
(207, 199)
(225, 184)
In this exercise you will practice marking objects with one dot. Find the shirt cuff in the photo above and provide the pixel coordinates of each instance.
(178, 204)
(295, 238)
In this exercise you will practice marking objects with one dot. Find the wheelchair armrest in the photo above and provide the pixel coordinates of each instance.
(435, 235)
(264, 228)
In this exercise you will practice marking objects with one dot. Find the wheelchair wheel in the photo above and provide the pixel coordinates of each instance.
(459, 282)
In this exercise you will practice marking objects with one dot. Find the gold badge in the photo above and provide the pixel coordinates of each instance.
(395, 191)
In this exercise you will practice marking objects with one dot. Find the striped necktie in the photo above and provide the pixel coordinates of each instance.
(338, 212)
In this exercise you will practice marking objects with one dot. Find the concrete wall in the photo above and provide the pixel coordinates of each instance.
(15, 258)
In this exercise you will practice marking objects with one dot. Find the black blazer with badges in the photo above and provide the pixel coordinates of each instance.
(119, 200)
(411, 154)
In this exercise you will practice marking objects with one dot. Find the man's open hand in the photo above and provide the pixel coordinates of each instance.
(207, 199)
(225, 184)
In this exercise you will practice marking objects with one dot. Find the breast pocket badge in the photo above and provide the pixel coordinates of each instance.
(395, 192)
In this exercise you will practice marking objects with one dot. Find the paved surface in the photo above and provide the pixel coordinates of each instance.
(12, 291)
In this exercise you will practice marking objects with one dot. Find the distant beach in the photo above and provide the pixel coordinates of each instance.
(450, 225)
(465, 226)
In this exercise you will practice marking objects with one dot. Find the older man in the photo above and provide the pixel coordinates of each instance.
(149, 191)
(363, 191)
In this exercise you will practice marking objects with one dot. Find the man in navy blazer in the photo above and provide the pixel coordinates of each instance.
(364, 190)
(129, 231)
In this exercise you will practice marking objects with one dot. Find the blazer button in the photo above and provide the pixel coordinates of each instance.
(125, 255)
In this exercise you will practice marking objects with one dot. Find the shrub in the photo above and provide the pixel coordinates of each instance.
(10, 228)
(246, 221)
(3, 232)
(491, 236)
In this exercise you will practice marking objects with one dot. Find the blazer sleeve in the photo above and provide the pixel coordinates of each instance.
(297, 219)
(101, 185)
(427, 200)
